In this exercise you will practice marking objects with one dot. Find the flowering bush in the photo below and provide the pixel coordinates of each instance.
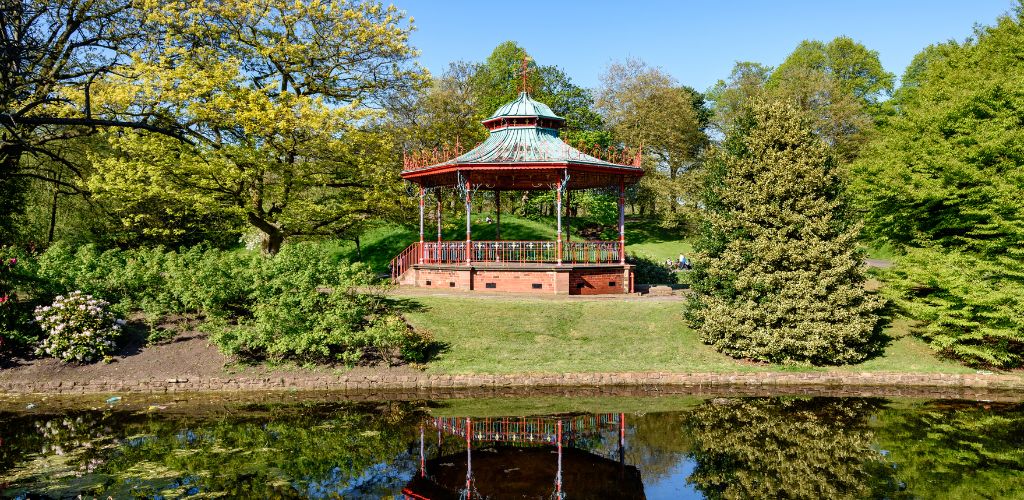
(77, 328)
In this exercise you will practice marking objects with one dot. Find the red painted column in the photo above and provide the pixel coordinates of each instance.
(558, 214)
(469, 457)
(422, 195)
(437, 250)
(622, 221)
(558, 477)
(469, 219)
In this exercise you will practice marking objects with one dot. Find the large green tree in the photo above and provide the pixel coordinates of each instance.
(450, 109)
(646, 106)
(944, 180)
(280, 97)
(841, 86)
(777, 276)
(54, 54)
(788, 448)
(728, 98)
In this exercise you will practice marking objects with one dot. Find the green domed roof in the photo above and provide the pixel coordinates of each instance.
(524, 105)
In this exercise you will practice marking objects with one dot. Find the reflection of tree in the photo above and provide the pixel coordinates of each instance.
(325, 450)
(957, 450)
(787, 448)
(657, 443)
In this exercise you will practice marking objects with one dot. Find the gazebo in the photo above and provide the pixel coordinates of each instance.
(524, 457)
(523, 152)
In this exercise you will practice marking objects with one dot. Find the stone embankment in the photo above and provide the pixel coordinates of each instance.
(973, 386)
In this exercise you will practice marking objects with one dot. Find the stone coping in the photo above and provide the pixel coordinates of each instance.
(386, 386)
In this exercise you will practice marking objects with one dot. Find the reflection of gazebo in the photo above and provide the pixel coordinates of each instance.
(524, 458)
(523, 152)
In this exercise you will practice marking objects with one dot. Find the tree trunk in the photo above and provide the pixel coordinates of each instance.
(53, 214)
(271, 235)
(11, 191)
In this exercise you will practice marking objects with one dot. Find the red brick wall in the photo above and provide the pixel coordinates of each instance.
(439, 278)
(596, 282)
(514, 281)
(573, 282)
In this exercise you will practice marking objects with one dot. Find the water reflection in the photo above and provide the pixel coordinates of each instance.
(526, 457)
(714, 448)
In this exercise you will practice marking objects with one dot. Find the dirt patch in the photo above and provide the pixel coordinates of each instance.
(188, 355)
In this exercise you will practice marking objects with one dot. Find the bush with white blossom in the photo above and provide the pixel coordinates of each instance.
(77, 328)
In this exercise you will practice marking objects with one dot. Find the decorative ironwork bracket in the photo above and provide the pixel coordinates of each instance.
(460, 184)
(562, 184)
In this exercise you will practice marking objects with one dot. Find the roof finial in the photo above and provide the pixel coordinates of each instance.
(524, 72)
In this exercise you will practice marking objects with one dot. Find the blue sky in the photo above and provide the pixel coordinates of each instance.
(697, 42)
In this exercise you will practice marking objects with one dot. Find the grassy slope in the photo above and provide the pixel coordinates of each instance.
(494, 334)
(649, 240)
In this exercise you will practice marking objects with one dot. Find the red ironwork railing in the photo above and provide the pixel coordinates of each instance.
(526, 429)
(536, 252)
(405, 260)
(444, 252)
(515, 251)
(591, 252)
(581, 252)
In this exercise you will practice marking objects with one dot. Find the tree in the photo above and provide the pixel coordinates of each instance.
(777, 276)
(730, 97)
(279, 96)
(498, 79)
(53, 54)
(444, 114)
(450, 110)
(644, 105)
(943, 180)
(788, 448)
(841, 86)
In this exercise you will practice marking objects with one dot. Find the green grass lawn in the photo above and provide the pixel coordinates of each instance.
(646, 238)
(494, 334)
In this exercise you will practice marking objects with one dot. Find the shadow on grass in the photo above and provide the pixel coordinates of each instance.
(431, 349)
(378, 254)
(640, 231)
(881, 338)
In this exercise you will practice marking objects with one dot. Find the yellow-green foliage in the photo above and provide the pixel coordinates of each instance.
(799, 448)
(273, 95)
(777, 275)
(956, 450)
(944, 180)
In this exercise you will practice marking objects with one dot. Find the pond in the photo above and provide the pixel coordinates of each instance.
(667, 447)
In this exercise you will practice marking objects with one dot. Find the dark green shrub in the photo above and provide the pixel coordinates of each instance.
(647, 271)
(18, 297)
(309, 307)
(215, 282)
(304, 304)
(131, 280)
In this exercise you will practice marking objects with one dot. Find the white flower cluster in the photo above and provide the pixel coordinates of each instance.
(77, 328)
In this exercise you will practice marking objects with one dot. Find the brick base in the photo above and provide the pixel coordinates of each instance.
(525, 278)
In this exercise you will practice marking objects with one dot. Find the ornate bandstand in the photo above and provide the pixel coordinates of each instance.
(523, 152)
(553, 457)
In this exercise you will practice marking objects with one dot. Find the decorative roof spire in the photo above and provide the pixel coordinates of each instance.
(524, 71)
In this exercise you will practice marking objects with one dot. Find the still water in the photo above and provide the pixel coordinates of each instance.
(680, 447)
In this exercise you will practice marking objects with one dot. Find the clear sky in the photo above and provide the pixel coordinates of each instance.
(697, 42)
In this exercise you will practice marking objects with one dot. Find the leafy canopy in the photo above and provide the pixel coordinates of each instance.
(944, 179)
